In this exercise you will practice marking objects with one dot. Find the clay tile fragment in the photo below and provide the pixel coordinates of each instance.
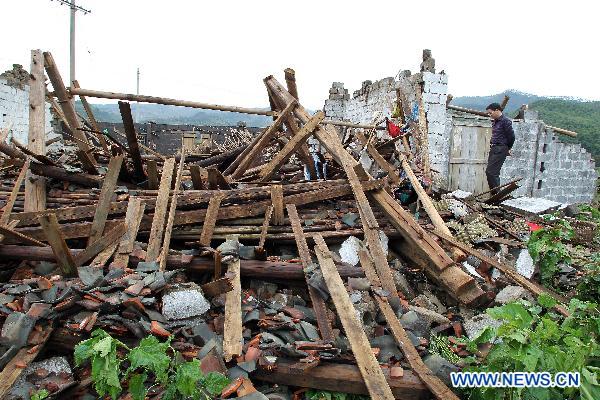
(135, 303)
(396, 372)
(44, 283)
(158, 330)
(246, 388)
(232, 387)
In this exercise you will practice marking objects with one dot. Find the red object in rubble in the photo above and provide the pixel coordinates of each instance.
(393, 129)
(533, 226)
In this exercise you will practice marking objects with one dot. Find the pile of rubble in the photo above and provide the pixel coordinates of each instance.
(281, 281)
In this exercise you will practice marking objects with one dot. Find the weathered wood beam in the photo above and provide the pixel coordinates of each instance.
(132, 143)
(318, 303)
(104, 201)
(35, 186)
(100, 244)
(265, 227)
(133, 218)
(56, 240)
(170, 220)
(160, 211)
(277, 200)
(232, 334)
(66, 104)
(196, 177)
(290, 147)
(210, 220)
(7, 210)
(92, 119)
(152, 170)
(163, 100)
(383, 164)
(361, 349)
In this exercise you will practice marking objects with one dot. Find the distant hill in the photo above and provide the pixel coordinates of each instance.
(577, 115)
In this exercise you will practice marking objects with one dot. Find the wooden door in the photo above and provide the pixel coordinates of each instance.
(468, 158)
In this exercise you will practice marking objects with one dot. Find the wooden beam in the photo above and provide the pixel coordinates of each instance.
(61, 251)
(35, 186)
(318, 303)
(133, 218)
(291, 147)
(216, 180)
(504, 102)
(430, 209)
(361, 349)
(132, 143)
(290, 81)
(163, 100)
(212, 214)
(265, 227)
(337, 377)
(92, 119)
(160, 211)
(265, 138)
(104, 201)
(171, 218)
(196, 177)
(383, 164)
(232, 334)
(152, 170)
(66, 104)
(9, 232)
(7, 210)
(437, 387)
(100, 244)
(277, 201)
(59, 173)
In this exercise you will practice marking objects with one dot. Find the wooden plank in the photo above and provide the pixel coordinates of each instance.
(196, 177)
(132, 143)
(152, 170)
(66, 104)
(430, 209)
(277, 200)
(343, 378)
(265, 227)
(8, 232)
(7, 210)
(12, 371)
(361, 349)
(264, 140)
(172, 209)
(437, 387)
(216, 180)
(212, 214)
(383, 164)
(100, 244)
(318, 303)
(104, 201)
(35, 186)
(232, 334)
(39, 157)
(61, 251)
(133, 218)
(92, 119)
(291, 147)
(160, 211)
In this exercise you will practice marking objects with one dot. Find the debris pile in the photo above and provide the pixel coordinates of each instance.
(284, 267)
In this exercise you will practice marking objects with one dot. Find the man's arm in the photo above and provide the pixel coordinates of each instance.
(509, 133)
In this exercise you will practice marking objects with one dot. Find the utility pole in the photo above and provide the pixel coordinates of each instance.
(138, 82)
(74, 8)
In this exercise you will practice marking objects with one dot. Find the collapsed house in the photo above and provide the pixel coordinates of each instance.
(459, 139)
(277, 271)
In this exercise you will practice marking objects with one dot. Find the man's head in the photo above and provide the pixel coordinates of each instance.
(494, 110)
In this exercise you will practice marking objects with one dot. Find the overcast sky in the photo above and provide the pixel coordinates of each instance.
(219, 51)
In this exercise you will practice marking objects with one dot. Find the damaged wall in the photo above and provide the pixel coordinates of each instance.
(14, 104)
(550, 168)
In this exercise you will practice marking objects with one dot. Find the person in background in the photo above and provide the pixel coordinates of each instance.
(501, 143)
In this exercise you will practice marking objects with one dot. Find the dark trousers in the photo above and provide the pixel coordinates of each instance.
(495, 160)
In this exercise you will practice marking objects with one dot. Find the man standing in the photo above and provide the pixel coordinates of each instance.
(503, 138)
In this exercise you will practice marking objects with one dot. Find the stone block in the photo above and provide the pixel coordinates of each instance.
(184, 301)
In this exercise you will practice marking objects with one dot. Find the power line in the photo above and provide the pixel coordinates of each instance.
(73, 5)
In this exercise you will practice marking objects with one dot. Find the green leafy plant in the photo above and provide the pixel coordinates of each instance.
(40, 394)
(313, 394)
(532, 338)
(547, 247)
(589, 287)
(151, 362)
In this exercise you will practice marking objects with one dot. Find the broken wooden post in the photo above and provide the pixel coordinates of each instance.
(160, 211)
(319, 307)
(132, 143)
(66, 104)
(152, 171)
(277, 200)
(7, 210)
(100, 244)
(232, 334)
(61, 251)
(92, 119)
(172, 209)
(196, 177)
(212, 214)
(106, 194)
(35, 186)
(133, 218)
(361, 349)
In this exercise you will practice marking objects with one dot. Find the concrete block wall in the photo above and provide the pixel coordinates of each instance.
(435, 93)
(14, 107)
